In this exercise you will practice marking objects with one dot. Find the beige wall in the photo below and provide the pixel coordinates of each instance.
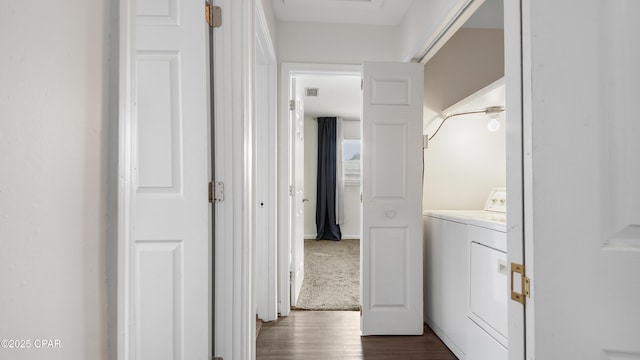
(469, 61)
(54, 118)
(464, 161)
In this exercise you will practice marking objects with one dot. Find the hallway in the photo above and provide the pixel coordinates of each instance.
(336, 335)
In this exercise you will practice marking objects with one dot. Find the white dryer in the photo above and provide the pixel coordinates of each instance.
(486, 335)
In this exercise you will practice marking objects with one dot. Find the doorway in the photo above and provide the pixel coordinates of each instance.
(331, 268)
(337, 90)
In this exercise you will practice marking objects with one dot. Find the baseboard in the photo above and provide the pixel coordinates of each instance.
(445, 339)
(345, 237)
(258, 326)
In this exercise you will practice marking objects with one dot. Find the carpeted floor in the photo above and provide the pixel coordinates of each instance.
(331, 275)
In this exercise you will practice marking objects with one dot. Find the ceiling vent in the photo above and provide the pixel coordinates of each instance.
(311, 91)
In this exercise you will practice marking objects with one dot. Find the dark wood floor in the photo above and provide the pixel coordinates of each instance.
(336, 335)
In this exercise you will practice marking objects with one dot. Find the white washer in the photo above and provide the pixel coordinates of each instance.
(486, 333)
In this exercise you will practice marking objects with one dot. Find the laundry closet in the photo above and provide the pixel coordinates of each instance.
(464, 196)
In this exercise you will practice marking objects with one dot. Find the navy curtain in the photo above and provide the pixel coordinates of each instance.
(326, 223)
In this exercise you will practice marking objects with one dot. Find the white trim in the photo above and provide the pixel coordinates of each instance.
(233, 76)
(126, 190)
(287, 70)
(514, 145)
(265, 257)
(527, 138)
(454, 20)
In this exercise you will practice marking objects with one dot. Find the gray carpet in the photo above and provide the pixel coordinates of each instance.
(331, 275)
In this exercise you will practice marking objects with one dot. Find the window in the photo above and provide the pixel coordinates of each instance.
(351, 162)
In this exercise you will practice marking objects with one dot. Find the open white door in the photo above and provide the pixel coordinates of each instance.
(583, 178)
(296, 191)
(391, 248)
(170, 250)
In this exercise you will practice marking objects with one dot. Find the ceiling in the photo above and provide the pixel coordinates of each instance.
(373, 12)
(370, 12)
(337, 96)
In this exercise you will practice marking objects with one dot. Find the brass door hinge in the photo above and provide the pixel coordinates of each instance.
(213, 15)
(292, 105)
(216, 191)
(525, 284)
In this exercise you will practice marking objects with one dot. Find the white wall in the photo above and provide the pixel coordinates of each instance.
(419, 23)
(53, 184)
(269, 15)
(351, 227)
(464, 161)
(336, 43)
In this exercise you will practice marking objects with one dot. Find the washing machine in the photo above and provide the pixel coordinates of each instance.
(485, 314)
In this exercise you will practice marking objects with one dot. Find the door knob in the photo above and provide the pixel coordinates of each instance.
(305, 200)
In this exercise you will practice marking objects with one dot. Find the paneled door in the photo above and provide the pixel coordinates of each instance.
(170, 268)
(583, 189)
(391, 248)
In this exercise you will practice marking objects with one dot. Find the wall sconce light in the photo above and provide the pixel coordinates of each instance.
(492, 112)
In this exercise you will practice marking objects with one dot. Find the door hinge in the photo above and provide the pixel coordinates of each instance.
(361, 84)
(216, 191)
(292, 190)
(213, 15)
(292, 105)
(525, 284)
(291, 276)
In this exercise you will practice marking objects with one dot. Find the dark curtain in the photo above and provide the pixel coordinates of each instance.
(326, 224)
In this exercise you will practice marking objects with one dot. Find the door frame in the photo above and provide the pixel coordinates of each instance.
(287, 71)
(265, 256)
(125, 186)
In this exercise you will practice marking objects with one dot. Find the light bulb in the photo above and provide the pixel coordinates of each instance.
(493, 125)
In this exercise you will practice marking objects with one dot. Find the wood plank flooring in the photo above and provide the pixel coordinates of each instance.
(336, 335)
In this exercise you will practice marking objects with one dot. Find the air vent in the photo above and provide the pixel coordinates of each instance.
(311, 91)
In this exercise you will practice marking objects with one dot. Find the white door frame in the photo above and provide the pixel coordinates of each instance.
(235, 125)
(518, 180)
(126, 190)
(266, 286)
(234, 312)
(287, 71)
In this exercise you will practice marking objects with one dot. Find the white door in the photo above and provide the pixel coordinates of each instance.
(391, 249)
(583, 172)
(170, 269)
(297, 191)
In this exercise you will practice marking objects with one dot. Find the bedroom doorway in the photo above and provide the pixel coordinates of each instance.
(324, 274)
(332, 268)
